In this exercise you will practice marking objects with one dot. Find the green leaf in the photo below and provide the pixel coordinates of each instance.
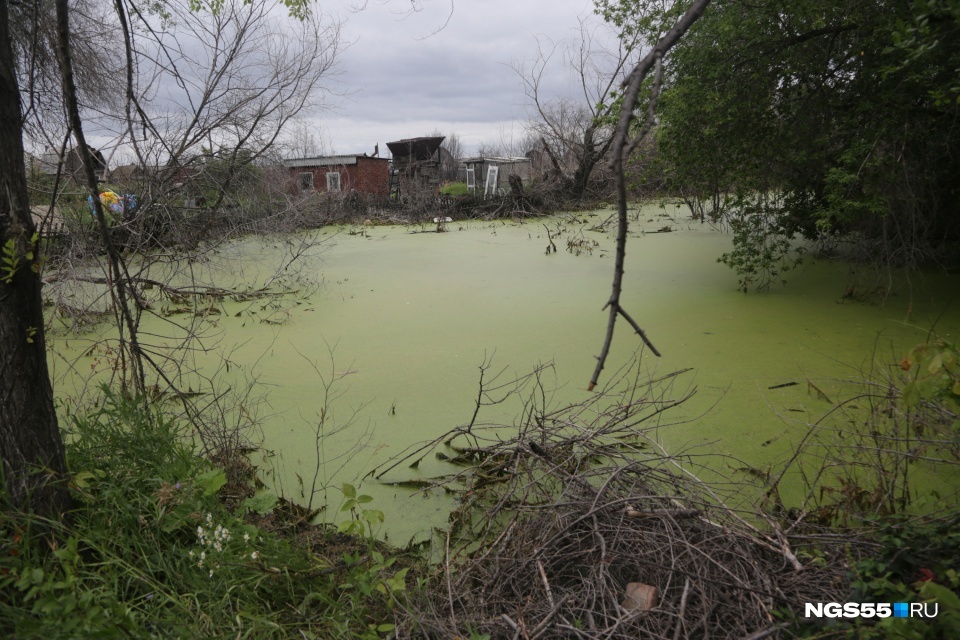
(261, 502)
(82, 479)
(936, 363)
(211, 481)
(349, 491)
(911, 395)
(933, 592)
(398, 581)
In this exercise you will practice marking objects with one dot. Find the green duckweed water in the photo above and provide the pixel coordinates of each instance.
(404, 318)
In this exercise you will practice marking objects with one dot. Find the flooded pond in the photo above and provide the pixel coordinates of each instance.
(395, 335)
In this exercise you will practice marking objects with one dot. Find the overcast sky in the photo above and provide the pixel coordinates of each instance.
(404, 82)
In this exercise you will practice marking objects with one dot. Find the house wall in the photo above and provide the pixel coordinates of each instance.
(373, 176)
(368, 175)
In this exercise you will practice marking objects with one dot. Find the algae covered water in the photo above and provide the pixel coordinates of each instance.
(387, 350)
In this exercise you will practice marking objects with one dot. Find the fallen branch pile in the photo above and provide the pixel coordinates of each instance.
(580, 526)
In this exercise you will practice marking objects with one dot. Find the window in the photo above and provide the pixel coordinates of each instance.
(305, 181)
(471, 178)
(333, 181)
(493, 173)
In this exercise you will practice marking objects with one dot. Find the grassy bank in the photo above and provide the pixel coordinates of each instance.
(151, 550)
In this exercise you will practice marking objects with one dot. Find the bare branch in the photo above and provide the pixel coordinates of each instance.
(621, 143)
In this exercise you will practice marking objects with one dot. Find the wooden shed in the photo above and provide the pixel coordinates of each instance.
(491, 176)
(417, 164)
(341, 173)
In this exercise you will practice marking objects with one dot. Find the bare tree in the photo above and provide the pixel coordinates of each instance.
(508, 143)
(98, 66)
(221, 89)
(305, 139)
(204, 105)
(450, 162)
(223, 86)
(576, 133)
(451, 153)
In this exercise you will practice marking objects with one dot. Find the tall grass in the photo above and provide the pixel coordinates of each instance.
(150, 551)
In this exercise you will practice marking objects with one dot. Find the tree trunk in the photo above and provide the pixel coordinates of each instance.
(593, 153)
(31, 449)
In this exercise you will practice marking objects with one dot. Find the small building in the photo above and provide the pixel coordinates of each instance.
(491, 176)
(417, 164)
(341, 173)
(70, 164)
(128, 175)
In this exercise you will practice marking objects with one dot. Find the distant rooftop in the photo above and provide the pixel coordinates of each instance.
(496, 159)
(415, 148)
(325, 161)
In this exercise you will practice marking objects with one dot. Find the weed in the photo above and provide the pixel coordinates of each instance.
(152, 551)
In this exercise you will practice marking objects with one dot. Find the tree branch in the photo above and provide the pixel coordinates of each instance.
(119, 288)
(621, 144)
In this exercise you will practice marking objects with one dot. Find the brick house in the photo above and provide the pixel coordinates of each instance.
(341, 174)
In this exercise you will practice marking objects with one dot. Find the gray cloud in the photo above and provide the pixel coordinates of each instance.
(400, 78)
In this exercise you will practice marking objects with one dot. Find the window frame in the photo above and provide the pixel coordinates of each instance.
(302, 183)
(330, 183)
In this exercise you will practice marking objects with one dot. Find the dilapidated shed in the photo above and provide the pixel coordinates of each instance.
(491, 176)
(417, 164)
(341, 173)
